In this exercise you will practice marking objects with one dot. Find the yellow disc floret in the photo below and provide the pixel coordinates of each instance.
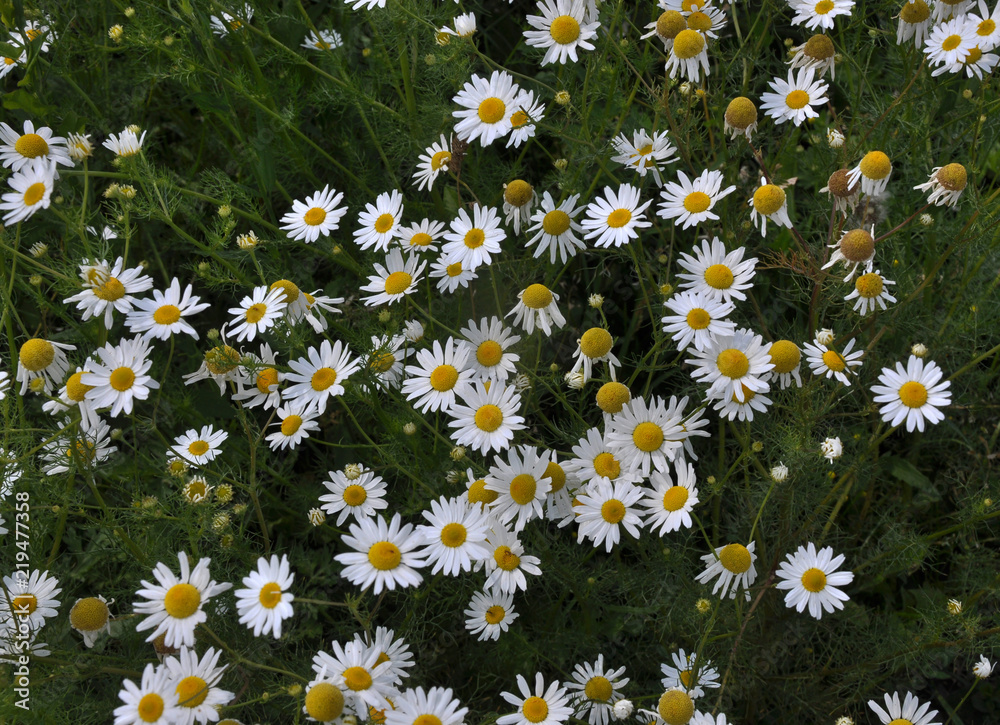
(191, 691)
(489, 417)
(537, 296)
(535, 709)
(869, 285)
(733, 363)
(819, 47)
(912, 394)
(564, 29)
(492, 110)
(612, 397)
(36, 354)
(31, 146)
(357, 678)
(736, 558)
(290, 289)
(834, 360)
(697, 202)
(647, 436)
(598, 688)
(518, 193)
(182, 600)
(814, 580)
(797, 99)
(613, 511)
(523, 488)
(596, 342)
(89, 615)
(719, 276)
(876, 165)
(669, 24)
(768, 199)
(384, 555)
(914, 11)
(324, 702)
(453, 535)
(675, 707)
(688, 43)
(953, 177)
(785, 356)
(397, 283)
(857, 245)
(741, 113)
(556, 222)
(675, 498)
(443, 377)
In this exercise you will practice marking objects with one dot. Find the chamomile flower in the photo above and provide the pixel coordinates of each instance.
(257, 312)
(395, 280)
(507, 565)
(489, 614)
(221, 364)
(555, 229)
(845, 194)
(473, 240)
(488, 343)
(163, 315)
(811, 579)
(423, 236)
(324, 40)
(787, 360)
(9, 64)
(910, 711)
(715, 273)
(983, 668)
(441, 372)
(393, 652)
(817, 53)
(733, 364)
(946, 184)
(41, 358)
(324, 701)
(697, 319)
(529, 112)
(604, 509)
(595, 461)
(793, 100)
(769, 202)
(666, 27)
(296, 418)
(644, 153)
(914, 19)
(870, 289)
(594, 690)
(262, 378)
(873, 171)
(125, 144)
(196, 683)
(318, 215)
(356, 669)
(856, 247)
(819, 13)
(644, 435)
(539, 706)
(561, 30)
(175, 605)
(451, 275)
(486, 417)
(976, 63)
(86, 447)
(32, 189)
(455, 537)
(825, 361)
(832, 449)
(119, 376)
(690, 202)
(688, 55)
(595, 346)
(668, 503)
(558, 501)
(464, 26)
(386, 359)
(727, 405)
(414, 707)
(432, 163)
(18, 150)
(379, 222)
(231, 23)
(199, 447)
(733, 564)
(108, 288)
(29, 598)
(740, 118)
(384, 556)
(90, 617)
(915, 394)
(518, 198)
(321, 374)
(487, 106)
(987, 26)
(537, 307)
(152, 702)
(265, 601)
(359, 497)
(688, 675)
(521, 484)
(616, 218)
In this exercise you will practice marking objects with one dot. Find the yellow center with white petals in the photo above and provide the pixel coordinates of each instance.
(420, 240)
(495, 614)
(675, 498)
(518, 193)
(23, 604)
(797, 99)
(719, 276)
(488, 418)
(736, 558)
(489, 353)
(596, 343)
(647, 436)
(901, 721)
(506, 559)
(669, 24)
(384, 223)
(110, 291)
(454, 270)
(453, 535)
(556, 222)
(733, 363)
(315, 216)
(953, 177)
(478, 493)
(89, 615)
(987, 27)
(191, 691)
(355, 495)
(688, 43)
(912, 394)
(221, 360)
(166, 315)
(150, 707)
(426, 719)
(785, 356)
(675, 707)
(951, 42)
(270, 595)
(697, 201)
(598, 688)
(875, 164)
(290, 289)
(291, 425)
(474, 238)
(358, 678)
(75, 390)
(823, 7)
(397, 283)
(698, 319)
(834, 360)
(31, 146)
(613, 511)
(492, 110)
(518, 119)
(619, 218)
(869, 285)
(857, 245)
(267, 379)
(383, 555)
(443, 377)
(699, 21)
(813, 580)
(324, 702)
(34, 193)
(255, 313)
(121, 379)
(198, 448)
(182, 600)
(607, 466)
(36, 354)
(523, 488)
(537, 297)
(441, 158)
(741, 113)
(323, 378)
(768, 199)
(535, 709)
(564, 29)
(555, 473)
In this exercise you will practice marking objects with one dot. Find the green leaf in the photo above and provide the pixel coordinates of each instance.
(25, 101)
(905, 471)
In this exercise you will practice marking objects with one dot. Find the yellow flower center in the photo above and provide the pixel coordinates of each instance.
(270, 595)
(182, 600)
(914, 12)
(535, 709)
(685, 677)
(819, 47)
(619, 218)
(478, 493)
(31, 146)
(869, 285)
(607, 466)
(441, 158)
(613, 511)
(315, 216)
(688, 43)
(647, 436)
(150, 707)
(523, 488)
(875, 164)
(324, 702)
(564, 29)
(612, 397)
(555, 473)
(741, 113)
(492, 110)
(384, 223)
(32, 33)
(517, 193)
(698, 319)
(34, 193)
(697, 202)
(598, 688)
(383, 555)
(255, 312)
(736, 558)
(453, 535)
(420, 239)
(489, 353)
(785, 356)
(596, 342)
(323, 378)
(290, 425)
(36, 354)
(121, 379)
(953, 177)
(912, 394)
(675, 498)
(537, 296)
(110, 291)
(951, 42)
(453, 270)
(444, 377)
(358, 678)
(669, 24)
(397, 283)
(75, 390)
(198, 448)
(166, 315)
(768, 199)
(675, 707)
(355, 495)
(290, 288)
(427, 719)
(901, 721)
(518, 119)
(719, 276)
(857, 246)
(220, 360)
(474, 238)
(834, 360)
(266, 379)
(89, 615)
(495, 614)
(191, 691)
(797, 99)
(382, 361)
(732, 363)
(986, 27)
(973, 56)
(23, 603)
(823, 7)
(506, 559)
(814, 580)
(699, 21)
(489, 417)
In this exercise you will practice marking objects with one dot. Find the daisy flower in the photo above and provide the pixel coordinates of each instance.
(391, 651)
(297, 419)
(518, 198)
(558, 502)
(40, 358)
(8, 64)
(688, 56)
(125, 144)
(508, 564)
(690, 202)
(395, 280)
(536, 306)
(120, 377)
(356, 669)
(359, 497)
(604, 509)
(421, 237)
(594, 690)
(490, 613)
(697, 319)
(487, 420)
(733, 564)
(165, 314)
(318, 215)
(873, 171)
(914, 394)
(451, 275)
(528, 112)
(107, 289)
(521, 485)
(831, 448)
(688, 675)
(152, 702)
(594, 346)
(870, 289)
(432, 163)
(669, 505)
(487, 106)
(472, 240)
(976, 63)
(911, 710)
(845, 195)
(715, 273)
(946, 183)
(816, 53)
(263, 378)
(829, 363)
(456, 535)
(441, 372)
(987, 26)
(786, 358)
(320, 375)
(729, 406)
(819, 13)
(855, 248)
(541, 706)
(811, 579)
(199, 447)
(195, 681)
(175, 605)
(562, 29)
(733, 364)
(324, 701)
(324, 40)
(87, 447)
(265, 602)
(380, 222)
(32, 188)
(666, 27)
(488, 343)
(646, 436)
(386, 359)
(793, 100)
(740, 118)
(257, 312)
(616, 218)
(914, 19)
(595, 461)
(385, 556)
(222, 26)
(34, 145)
(555, 229)
(414, 707)
(465, 26)
(90, 617)
(221, 364)
(983, 668)
(769, 202)
(644, 153)
(30, 597)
